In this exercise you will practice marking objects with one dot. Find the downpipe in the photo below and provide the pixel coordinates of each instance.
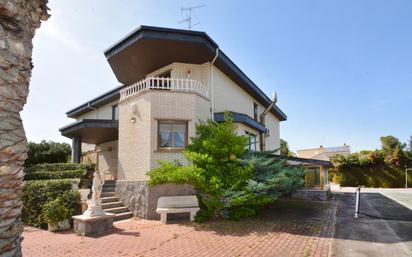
(262, 121)
(212, 103)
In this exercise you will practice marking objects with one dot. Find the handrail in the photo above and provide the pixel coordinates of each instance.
(160, 83)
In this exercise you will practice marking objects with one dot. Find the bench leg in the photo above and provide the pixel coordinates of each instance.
(163, 217)
(192, 216)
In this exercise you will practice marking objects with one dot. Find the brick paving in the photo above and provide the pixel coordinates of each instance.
(289, 228)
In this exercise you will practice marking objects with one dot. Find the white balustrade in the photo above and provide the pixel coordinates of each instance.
(160, 83)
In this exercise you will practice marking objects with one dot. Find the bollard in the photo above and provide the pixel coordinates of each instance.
(357, 202)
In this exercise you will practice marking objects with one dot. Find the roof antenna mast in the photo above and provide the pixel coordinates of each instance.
(188, 19)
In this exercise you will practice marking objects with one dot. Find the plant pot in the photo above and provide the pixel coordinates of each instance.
(84, 192)
(59, 226)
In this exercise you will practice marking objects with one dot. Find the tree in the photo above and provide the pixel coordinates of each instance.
(284, 148)
(47, 152)
(18, 21)
(390, 144)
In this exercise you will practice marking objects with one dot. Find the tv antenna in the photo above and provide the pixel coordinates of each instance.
(188, 19)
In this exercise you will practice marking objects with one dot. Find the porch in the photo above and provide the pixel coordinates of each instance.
(103, 135)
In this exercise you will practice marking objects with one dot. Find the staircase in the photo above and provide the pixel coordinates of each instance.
(111, 204)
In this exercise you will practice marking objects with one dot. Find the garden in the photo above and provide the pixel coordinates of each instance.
(50, 195)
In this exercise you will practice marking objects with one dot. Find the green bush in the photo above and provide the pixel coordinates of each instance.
(44, 175)
(37, 193)
(47, 152)
(231, 182)
(42, 171)
(54, 211)
(371, 169)
(59, 167)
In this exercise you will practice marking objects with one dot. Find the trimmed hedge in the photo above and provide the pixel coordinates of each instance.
(59, 167)
(43, 171)
(37, 193)
(43, 175)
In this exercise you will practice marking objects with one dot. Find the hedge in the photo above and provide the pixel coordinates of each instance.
(37, 193)
(43, 171)
(43, 175)
(59, 167)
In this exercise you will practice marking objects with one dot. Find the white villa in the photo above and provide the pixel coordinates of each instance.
(170, 79)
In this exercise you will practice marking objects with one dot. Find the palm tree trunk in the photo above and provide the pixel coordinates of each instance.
(18, 21)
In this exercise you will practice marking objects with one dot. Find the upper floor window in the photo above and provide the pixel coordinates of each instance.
(255, 111)
(252, 143)
(172, 134)
(115, 112)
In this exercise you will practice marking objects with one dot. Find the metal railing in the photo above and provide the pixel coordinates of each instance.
(160, 83)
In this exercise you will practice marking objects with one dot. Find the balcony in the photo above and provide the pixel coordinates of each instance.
(160, 83)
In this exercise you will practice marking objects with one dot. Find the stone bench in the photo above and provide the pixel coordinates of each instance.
(177, 204)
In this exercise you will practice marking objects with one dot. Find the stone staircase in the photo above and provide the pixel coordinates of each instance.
(111, 204)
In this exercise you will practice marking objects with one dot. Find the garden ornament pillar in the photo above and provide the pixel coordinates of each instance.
(18, 21)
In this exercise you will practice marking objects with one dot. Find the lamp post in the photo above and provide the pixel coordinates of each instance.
(406, 177)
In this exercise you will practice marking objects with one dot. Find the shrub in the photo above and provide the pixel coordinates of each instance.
(59, 167)
(42, 171)
(370, 169)
(54, 211)
(44, 175)
(47, 152)
(37, 193)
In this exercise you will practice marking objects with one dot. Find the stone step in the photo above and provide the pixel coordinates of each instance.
(108, 194)
(109, 199)
(109, 205)
(123, 216)
(117, 210)
(108, 189)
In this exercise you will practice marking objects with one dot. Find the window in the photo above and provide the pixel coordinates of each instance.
(115, 112)
(172, 134)
(252, 144)
(255, 111)
(312, 177)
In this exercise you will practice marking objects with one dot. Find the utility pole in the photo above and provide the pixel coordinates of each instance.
(188, 19)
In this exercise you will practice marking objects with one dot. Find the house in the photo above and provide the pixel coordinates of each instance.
(170, 79)
(323, 153)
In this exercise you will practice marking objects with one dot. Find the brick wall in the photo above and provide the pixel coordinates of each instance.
(138, 151)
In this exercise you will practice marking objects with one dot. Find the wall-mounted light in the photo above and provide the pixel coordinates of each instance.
(133, 120)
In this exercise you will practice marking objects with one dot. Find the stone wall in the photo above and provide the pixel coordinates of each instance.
(312, 194)
(141, 199)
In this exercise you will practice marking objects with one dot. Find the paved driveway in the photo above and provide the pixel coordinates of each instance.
(388, 235)
(290, 228)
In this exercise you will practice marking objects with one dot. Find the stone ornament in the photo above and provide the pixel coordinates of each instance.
(94, 207)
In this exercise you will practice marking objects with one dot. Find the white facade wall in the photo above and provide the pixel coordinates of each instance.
(103, 112)
(107, 154)
(228, 96)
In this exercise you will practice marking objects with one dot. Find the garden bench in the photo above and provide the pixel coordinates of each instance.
(177, 204)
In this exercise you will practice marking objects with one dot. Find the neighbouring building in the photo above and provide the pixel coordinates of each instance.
(323, 153)
(170, 79)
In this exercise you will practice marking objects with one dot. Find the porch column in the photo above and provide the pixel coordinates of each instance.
(76, 149)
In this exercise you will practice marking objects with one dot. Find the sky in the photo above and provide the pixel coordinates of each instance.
(342, 69)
